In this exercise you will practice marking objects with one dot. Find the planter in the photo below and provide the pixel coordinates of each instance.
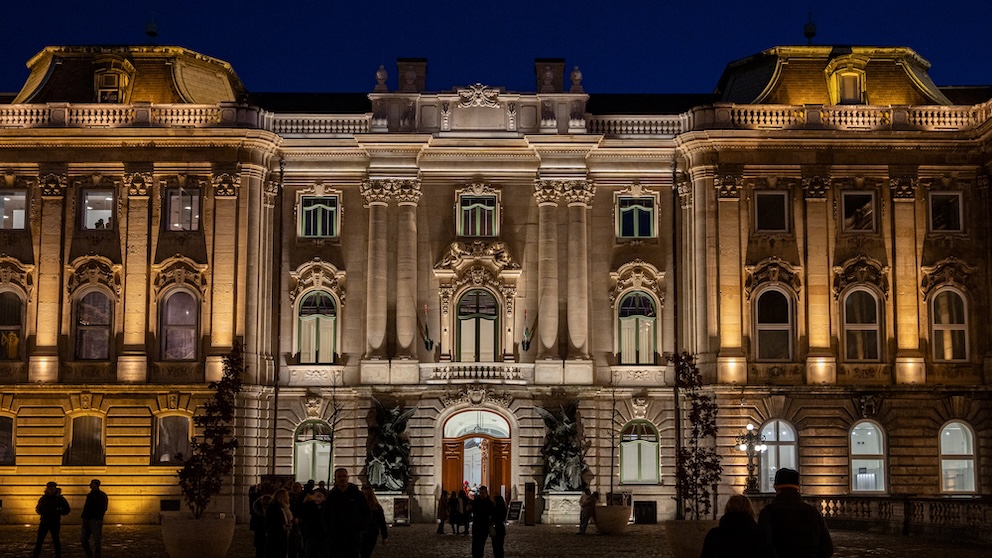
(685, 537)
(612, 520)
(207, 537)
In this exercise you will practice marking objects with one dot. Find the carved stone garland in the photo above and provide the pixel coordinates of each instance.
(94, 270)
(947, 272)
(771, 270)
(180, 270)
(317, 274)
(637, 275)
(861, 270)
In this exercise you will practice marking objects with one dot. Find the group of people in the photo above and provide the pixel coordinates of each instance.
(786, 528)
(52, 506)
(473, 506)
(315, 522)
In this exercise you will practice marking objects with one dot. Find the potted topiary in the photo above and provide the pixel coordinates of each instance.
(697, 464)
(200, 534)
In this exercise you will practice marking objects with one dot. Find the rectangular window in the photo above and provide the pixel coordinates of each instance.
(6, 440)
(12, 206)
(172, 444)
(98, 210)
(859, 211)
(183, 209)
(850, 89)
(945, 212)
(86, 445)
(477, 216)
(319, 216)
(635, 217)
(771, 212)
(868, 475)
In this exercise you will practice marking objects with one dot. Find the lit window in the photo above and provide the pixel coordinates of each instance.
(98, 210)
(7, 451)
(945, 212)
(12, 210)
(11, 326)
(478, 215)
(86, 442)
(638, 318)
(639, 453)
(782, 452)
(850, 89)
(957, 458)
(774, 326)
(861, 326)
(771, 212)
(477, 327)
(93, 317)
(867, 458)
(180, 315)
(172, 440)
(312, 459)
(183, 209)
(635, 217)
(319, 216)
(950, 326)
(859, 211)
(318, 329)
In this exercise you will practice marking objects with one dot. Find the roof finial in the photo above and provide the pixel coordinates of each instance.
(809, 30)
(151, 30)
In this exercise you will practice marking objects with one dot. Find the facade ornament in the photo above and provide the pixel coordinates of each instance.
(868, 406)
(478, 189)
(445, 116)
(640, 405)
(477, 395)
(549, 190)
(495, 253)
(407, 192)
(172, 400)
(684, 189)
(862, 270)
(271, 192)
(226, 185)
(11, 180)
(578, 192)
(982, 182)
(138, 184)
(94, 270)
(380, 80)
(771, 270)
(728, 186)
(637, 275)
(377, 191)
(312, 403)
(548, 118)
(85, 400)
(478, 95)
(53, 185)
(903, 188)
(576, 78)
(15, 274)
(511, 117)
(317, 274)
(816, 187)
(950, 272)
(180, 270)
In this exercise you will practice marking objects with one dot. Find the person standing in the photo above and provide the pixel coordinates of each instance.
(587, 509)
(482, 520)
(499, 526)
(316, 543)
(51, 507)
(345, 515)
(278, 525)
(376, 525)
(795, 528)
(94, 509)
(738, 534)
(454, 514)
(442, 511)
(465, 509)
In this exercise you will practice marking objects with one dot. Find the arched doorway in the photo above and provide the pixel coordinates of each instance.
(477, 449)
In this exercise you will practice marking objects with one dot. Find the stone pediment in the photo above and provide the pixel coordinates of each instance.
(461, 255)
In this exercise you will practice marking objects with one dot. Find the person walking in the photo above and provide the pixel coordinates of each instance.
(94, 509)
(738, 534)
(345, 515)
(482, 520)
(795, 528)
(442, 511)
(376, 525)
(316, 543)
(51, 507)
(498, 531)
(587, 509)
(278, 525)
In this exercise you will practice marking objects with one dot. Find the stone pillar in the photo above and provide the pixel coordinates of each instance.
(376, 194)
(261, 197)
(44, 361)
(224, 265)
(821, 364)
(407, 195)
(132, 364)
(578, 195)
(730, 361)
(547, 193)
(910, 367)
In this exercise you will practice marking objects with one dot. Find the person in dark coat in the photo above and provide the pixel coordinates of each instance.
(316, 543)
(795, 528)
(51, 507)
(257, 523)
(738, 534)
(278, 525)
(499, 525)
(454, 513)
(482, 520)
(465, 509)
(93, 511)
(442, 511)
(345, 515)
(376, 525)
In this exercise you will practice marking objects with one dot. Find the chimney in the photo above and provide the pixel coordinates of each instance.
(550, 73)
(412, 74)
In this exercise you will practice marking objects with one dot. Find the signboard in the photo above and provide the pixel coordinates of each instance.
(513, 511)
(401, 511)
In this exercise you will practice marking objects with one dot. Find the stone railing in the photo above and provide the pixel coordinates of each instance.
(477, 372)
(627, 126)
(322, 124)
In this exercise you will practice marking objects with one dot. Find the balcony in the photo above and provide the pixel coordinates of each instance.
(506, 373)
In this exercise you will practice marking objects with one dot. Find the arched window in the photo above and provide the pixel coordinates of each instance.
(7, 450)
(171, 440)
(86, 442)
(318, 328)
(477, 326)
(638, 323)
(639, 453)
(773, 322)
(862, 326)
(11, 326)
(312, 451)
(782, 450)
(93, 316)
(949, 321)
(957, 458)
(867, 458)
(180, 316)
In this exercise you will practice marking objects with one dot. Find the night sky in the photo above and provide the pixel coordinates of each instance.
(620, 46)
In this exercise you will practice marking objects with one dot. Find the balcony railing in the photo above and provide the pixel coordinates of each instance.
(630, 126)
(477, 372)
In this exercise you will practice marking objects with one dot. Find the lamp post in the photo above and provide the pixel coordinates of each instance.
(752, 443)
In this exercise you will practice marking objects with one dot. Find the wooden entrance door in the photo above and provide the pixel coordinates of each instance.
(452, 462)
(495, 464)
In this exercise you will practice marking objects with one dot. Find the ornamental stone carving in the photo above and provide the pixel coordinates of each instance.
(771, 270)
(548, 191)
(578, 192)
(684, 189)
(728, 187)
(407, 192)
(53, 185)
(903, 188)
(317, 274)
(950, 272)
(458, 253)
(312, 404)
(862, 270)
(868, 406)
(226, 185)
(11, 180)
(94, 270)
(180, 270)
(378, 191)
(138, 184)
(477, 395)
(816, 187)
(637, 275)
(478, 95)
(15, 274)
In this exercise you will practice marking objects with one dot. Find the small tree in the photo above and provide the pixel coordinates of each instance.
(697, 465)
(212, 456)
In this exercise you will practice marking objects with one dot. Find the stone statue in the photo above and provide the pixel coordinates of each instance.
(387, 464)
(563, 451)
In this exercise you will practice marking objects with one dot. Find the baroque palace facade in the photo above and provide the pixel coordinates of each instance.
(816, 232)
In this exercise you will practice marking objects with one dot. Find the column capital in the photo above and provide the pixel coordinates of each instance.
(548, 191)
(378, 191)
(578, 192)
(226, 185)
(407, 192)
(728, 186)
(53, 185)
(138, 184)
(904, 187)
(684, 189)
(816, 187)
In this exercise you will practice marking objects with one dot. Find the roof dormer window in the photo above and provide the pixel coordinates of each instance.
(846, 80)
(112, 79)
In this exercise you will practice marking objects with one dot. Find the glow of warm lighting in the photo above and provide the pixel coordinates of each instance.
(750, 426)
(821, 370)
(742, 447)
(731, 370)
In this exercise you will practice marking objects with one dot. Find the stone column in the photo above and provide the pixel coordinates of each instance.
(44, 361)
(821, 364)
(224, 266)
(547, 193)
(407, 195)
(132, 364)
(260, 201)
(730, 361)
(578, 195)
(910, 368)
(376, 194)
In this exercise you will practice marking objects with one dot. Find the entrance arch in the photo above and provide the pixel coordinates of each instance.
(476, 448)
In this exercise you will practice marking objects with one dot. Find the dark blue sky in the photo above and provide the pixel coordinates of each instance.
(661, 46)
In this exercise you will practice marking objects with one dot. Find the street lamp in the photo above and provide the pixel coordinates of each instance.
(752, 443)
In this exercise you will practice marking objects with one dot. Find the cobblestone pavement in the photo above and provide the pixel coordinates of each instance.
(419, 541)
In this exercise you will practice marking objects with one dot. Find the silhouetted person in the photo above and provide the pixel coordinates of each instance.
(482, 520)
(376, 525)
(93, 510)
(51, 507)
(795, 528)
(738, 534)
(345, 515)
(499, 526)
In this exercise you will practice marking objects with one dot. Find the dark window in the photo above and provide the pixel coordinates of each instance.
(859, 211)
(172, 445)
(774, 324)
(86, 445)
(945, 212)
(771, 212)
(7, 452)
(635, 217)
(11, 326)
(319, 216)
(477, 216)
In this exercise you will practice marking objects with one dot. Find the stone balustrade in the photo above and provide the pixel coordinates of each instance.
(477, 372)
(321, 124)
(629, 126)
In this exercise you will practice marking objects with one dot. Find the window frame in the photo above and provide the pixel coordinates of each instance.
(7, 214)
(881, 457)
(844, 195)
(303, 211)
(849, 327)
(195, 195)
(766, 476)
(315, 443)
(157, 448)
(652, 216)
(786, 209)
(789, 326)
(69, 457)
(335, 325)
(641, 445)
(622, 357)
(10, 443)
(931, 214)
(77, 328)
(949, 328)
(165, 328)
(460, 209)
(18, 329)
(477, 317)
(84, 210)
(971, 457)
